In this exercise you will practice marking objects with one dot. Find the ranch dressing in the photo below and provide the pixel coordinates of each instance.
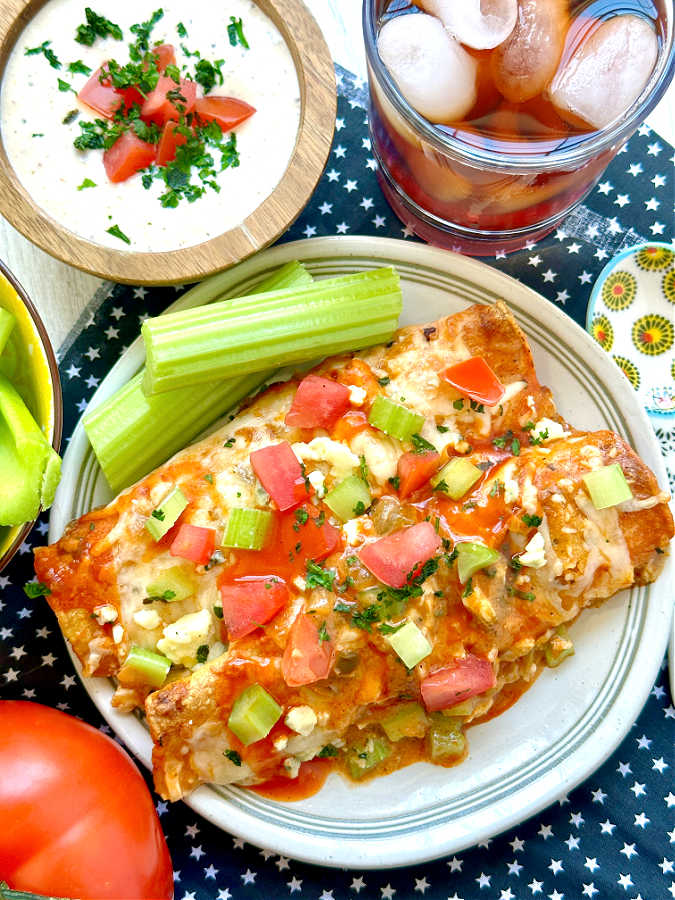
(40, 147)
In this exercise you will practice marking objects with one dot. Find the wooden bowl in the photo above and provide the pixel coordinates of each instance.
(43, 375)
(316, 77)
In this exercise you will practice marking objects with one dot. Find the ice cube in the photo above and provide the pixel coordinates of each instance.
(525, 63)
(433, 71)
(607, 73)
(481, 24)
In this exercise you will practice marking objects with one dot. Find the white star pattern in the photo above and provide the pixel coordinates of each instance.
(599, 796)
(589, 890)
(536, 886)
(483, 880)
(421, 885)
(387, 892)
(357, 885)
(294, 885)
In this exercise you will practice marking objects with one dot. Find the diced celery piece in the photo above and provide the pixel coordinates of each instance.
(131, 434)
(405, 720)
(456, 477)
(350, 498)
(362, 759)
(276, 328)
(445, 737)
(143, 667)
(7, 321)
(254, 714)
(559, 647)
(395, 420)
(247, 529)
(462, 709)
(471, 557)
(410, 644)
(172, 584)
(166, 514)
(607, 486)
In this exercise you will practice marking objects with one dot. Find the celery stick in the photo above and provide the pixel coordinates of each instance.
(292, 274)
(6, 325)
(272, 329)
(132, 434)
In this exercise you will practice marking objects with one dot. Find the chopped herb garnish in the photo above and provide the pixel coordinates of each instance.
(320, 519)
(531, 521)
(97, 26)
(384, 381)
(207, 74)
(390, 629)
(659, 550)
(218, 612)
(442, 428)
(142, 32)
(528, 426)
(70, 117)
(395, 482)
(458, 404)
(173, 72)
(79, 68)
(323, 633)
(48, 54)
(359, 508)
(319, 577)
(539, 438)
(522, 595)
(233, 757)
(181, 30)
(363, 468)
(301, 516)
(501, 442)
(342, 607)
(208, 477)
(235, 32)
(229, 442)
(364, 618)
(468, 590)
(36, 589)
(92, 526)
(202, 653)
(421, 445)
(65, 86)
(515, 563)
(442, 485)
(37, 134)
(327, 751)
(515, 447)
(158, 514)
(87, 183)
(117, 232)
(352, 560)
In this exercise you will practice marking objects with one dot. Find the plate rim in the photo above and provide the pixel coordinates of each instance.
(374, 854)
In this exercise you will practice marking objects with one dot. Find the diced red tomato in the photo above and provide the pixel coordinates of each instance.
(169, 140)
(414, 470)
(318, 403)
(159, 108)
(166, 56)
(251, 602)
(127, 156)
(475, 379)
(228, 112)
(279, 472)
(306, 657)
(393, 558)
(464, 679)
(194, 543)
(101, 96)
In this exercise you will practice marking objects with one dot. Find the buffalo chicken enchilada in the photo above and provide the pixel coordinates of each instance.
(363, 562)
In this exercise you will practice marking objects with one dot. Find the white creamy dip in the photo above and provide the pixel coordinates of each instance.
(40, 147)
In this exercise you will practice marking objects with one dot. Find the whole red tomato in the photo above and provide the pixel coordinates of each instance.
(79, 819)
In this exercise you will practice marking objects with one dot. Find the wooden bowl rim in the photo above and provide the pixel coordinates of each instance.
(316, 77)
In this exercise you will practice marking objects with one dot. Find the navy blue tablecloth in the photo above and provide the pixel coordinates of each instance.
(612, 837)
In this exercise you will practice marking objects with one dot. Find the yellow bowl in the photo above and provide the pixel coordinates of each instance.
(37, 380)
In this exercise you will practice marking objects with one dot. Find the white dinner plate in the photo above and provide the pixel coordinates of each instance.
(571, 719)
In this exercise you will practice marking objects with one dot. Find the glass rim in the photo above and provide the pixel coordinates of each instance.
(534, 162)
(56, 398)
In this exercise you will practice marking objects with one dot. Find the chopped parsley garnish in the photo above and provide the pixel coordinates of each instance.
(363, 468)
(181, 30)
(342, 607)
(202, 653)
(48, 54)
(477, 407)
(522, 595)
(515, 563)
(539, 438)
(364, 618)
(229, 442)
(319, 577)
(468, 590)
(79, 68)
(117, 232)
(158, 514)
(442, 486)
(97, 26)
(36, 589)
(458, 404)
(515, 447)
(442, 428)
(385, 628)
(65, 86)
(235, 32)
(323, 633)
(531, 521)
(395, 482)
(301, 516)
(233, 757)
(501, 442)
(327, 751)
(142, 31)
(420, 445)
(207, 74)
(384, 381)
(70, 117)
(218, 612)
(359, 508)
(208, 477)
(352, 560)
(87, 183)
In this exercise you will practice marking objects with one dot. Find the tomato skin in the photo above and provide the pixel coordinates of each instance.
(128, 155)
(194, 543)
(159, 108)
(279, 472)
(318, 403)
(414, 470)
(169, 141)
(391, 559)
(464, 679)
(165, 55)
(251, 602)
(306, 657)
(228, 112)
(475, 379)
(100, 96)
(83, 822)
